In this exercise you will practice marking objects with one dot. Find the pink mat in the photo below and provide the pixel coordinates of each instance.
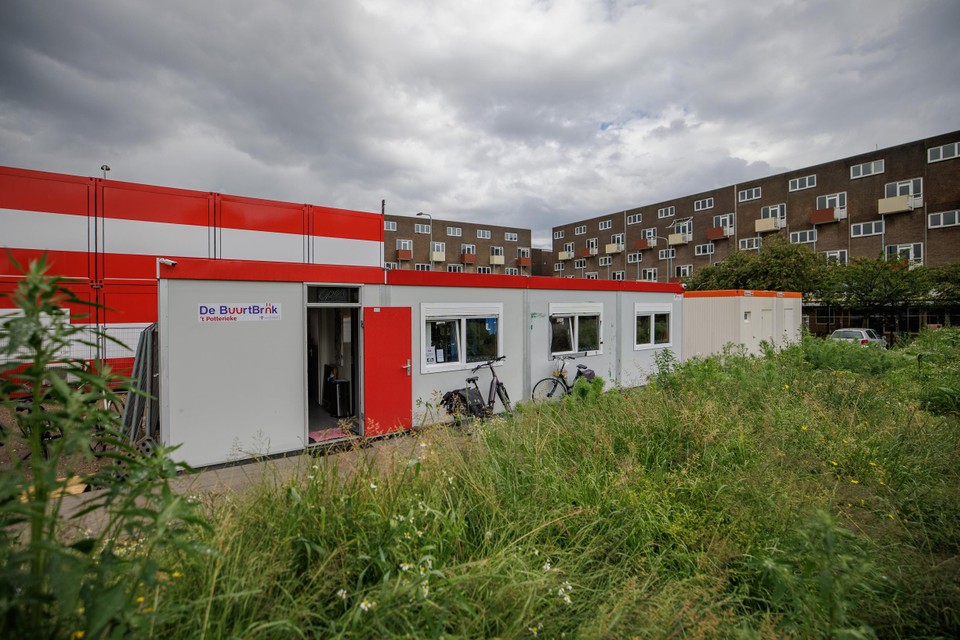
(329, 434)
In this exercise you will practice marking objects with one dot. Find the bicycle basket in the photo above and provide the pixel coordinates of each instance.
(588, 374)
(456, 402)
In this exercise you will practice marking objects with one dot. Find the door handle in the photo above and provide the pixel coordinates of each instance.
(407, 367)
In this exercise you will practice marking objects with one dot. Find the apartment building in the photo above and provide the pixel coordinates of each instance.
(902, 201)
(423, 243)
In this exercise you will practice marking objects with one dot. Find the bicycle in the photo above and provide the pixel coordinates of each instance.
(556, 386)
(470, 400)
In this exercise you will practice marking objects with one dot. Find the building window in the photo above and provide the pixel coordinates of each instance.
(805, 182)
(750, 244)
(558, 267)
(454, 231)
(703, 205)
(606, 224)
(774, 211)
(509, 236)
(496, 251)
(523, 252)
(803, 237)
(579, 231)
(833, 201)
(421, 228)
(684, 270)
(685, 227)
(454, 268)
(943, 219)
(468, 249)
(666, 212)
(668, 254)
(838, 256)
(404, 245)
(485, 270)
(912, 187)
(511, 271)
(580, 263)
(576, 328)
(648, 234)
(390, 266)
(619, 275)
(458, 334)
(592, 244)
(912, 253)
(943, 152)
(606, 261)
(483, 234)
(748, 194)
(568, 247)
(618, 239)
(866, 169)
(634, 258)
(864, 229)
(652, 326)
(423, 266)
(703, 249)
(726, 221)
(592, 275)
(635, 218)
(650, 275)
(439, 247)
(557, 235)
(389, 225)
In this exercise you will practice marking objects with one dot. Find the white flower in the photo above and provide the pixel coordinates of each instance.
(425, 589)
(373, 485)
(404, 566)
(342, 594)
(536, 629)
(546, 566)
(366, 605)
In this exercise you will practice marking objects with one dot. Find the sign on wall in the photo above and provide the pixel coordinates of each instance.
(238, 312)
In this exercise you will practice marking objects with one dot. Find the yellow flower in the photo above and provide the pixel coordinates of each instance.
(803, 427)
(139, 599)
(872, 463)
(833, 462)
(76, 635)
(786, 387)
(854, 481)
(177, 574)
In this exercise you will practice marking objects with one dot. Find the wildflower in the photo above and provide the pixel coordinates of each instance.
(419, 533)
(803, 427)
(425, 589)
(536, 552)
(404, 566)
(833, 462)
(366, 605)
(854, 481)
(76, 635)
(872, 463)
(139, 599)
(786, 387)
(176, 575)
(546, 566)
(536, 629)
(342, 594)
(309, 477)
(373, 485)
(566, 599)
(890, 515)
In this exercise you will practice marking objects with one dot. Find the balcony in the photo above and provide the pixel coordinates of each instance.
(404, 254)
(614, 247)
(679, 238)
(564, 255)
(496, 260)
(586, 252)
(899, 204)
(769, 224)
(645, 243)
(438, 256)
(523, 262)
(827, 214)
(468, 258)
(719, 233)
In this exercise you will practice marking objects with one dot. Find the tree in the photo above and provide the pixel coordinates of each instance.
(881, 287)
(780, 266)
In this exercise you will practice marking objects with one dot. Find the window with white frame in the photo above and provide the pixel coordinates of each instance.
(423, 266)
(468, 249)
(568, 247)
(496, 251)
(606, 261)
(580, 230)
(591, 275)
(666, 212)
(456, 232)
(684, 270)
(618, 239)
(618, 275)
(511, 271)
(668, 254)
(558, 235)
(580, 263)
(390, 266)
(650, 275)
(912, 252)
(404, 245)
(485, 270)
(774, 211)
(421, 228)
(838, 256)
(806, 182)
(864, 229)
(943, 219)
(454, 268)
(576, 327)
(648, 234)
(523, 252)
(750, 244)
(803, 237)
(703, 205)
(943, 152)
(483, 234)
(703, 249)
(833, 201)
(510, 236)
(634, 258)
(439, 247)
(747, 195)
(866, 169)
(458, 334)
(593, 243)
(652, 326)
(606, 224)
(685, 227)
(558, 267)
(726, 221)
(912, 187)
(389, 225)
(635, 218)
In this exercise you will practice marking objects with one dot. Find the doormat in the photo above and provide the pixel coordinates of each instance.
(325, 435)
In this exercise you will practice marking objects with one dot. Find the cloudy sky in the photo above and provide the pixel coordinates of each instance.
(522, 112)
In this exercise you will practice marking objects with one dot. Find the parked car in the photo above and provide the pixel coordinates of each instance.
(862, 336)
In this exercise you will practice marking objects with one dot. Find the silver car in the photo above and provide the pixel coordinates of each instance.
(861, 336)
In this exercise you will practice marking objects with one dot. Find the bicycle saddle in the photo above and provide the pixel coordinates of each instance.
(473, 379)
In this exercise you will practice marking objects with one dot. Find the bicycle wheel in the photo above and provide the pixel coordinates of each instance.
(548, 389)
(504, 398)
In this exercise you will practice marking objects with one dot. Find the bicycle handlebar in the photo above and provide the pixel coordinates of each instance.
(488, 363)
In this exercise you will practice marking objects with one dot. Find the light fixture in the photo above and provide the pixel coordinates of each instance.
(104, 168)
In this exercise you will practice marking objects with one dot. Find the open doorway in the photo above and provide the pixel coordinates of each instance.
(332, 363)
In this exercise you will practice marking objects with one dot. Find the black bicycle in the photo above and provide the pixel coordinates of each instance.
(469, 400)
(556, 386)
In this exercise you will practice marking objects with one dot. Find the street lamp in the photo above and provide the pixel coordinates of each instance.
(430, 218)
(669, 258)
(104, 168)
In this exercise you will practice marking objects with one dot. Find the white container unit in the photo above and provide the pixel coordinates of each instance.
(713, 319)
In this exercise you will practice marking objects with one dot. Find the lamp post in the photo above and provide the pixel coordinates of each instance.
(104, 168)
(669, 258)
(430, 218)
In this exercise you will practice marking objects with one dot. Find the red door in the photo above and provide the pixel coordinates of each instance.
(387, 370)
